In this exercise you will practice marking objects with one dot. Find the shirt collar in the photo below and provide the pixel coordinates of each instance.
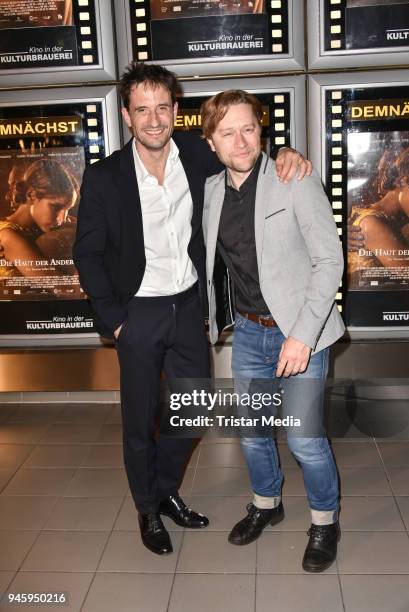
(141, 172)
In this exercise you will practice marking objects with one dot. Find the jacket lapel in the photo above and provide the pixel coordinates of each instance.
(268, 202)
(215, 209)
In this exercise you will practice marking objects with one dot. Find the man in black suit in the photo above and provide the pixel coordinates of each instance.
(140, 255)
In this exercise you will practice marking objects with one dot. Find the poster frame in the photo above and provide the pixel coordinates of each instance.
(209, 67)
(318, 85)
(107, 96)
(105, 70)
(320, 58)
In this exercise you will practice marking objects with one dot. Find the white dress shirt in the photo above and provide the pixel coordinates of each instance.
(166, 216)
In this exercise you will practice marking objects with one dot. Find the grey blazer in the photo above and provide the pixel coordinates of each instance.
(299, 254)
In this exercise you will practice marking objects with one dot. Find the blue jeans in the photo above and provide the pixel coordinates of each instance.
(255, 355)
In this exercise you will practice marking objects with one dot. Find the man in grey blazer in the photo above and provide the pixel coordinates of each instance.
(281, 247)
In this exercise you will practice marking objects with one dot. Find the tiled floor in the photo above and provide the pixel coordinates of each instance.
(67, 523)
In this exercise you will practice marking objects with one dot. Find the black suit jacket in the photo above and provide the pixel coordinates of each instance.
(109, 250)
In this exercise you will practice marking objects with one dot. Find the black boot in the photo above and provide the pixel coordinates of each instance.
(153, 533)
(322, 547)
(248, 529)
(175, 508)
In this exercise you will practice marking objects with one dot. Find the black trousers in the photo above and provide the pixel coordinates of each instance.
(160, 333)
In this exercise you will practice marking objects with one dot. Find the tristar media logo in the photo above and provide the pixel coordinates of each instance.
(396, 316)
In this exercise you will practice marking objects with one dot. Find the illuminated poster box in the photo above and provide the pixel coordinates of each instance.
(46, 140)
(55, 41)
(196, 38)
(360, 140)
(357, 33)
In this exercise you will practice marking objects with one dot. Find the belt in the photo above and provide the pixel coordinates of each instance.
(264, 321)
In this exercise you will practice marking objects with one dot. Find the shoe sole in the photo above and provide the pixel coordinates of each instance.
(181, 524)
(273, 522)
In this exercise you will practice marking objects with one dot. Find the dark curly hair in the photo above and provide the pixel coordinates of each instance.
(46, 178)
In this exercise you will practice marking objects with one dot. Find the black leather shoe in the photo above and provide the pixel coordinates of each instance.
(153, 533)
(321, 548)
(248, 529)
(175, 508)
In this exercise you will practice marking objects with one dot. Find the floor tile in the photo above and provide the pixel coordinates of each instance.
(61, 455)
(293, 481)
(84, 514)
(35, 413)
(285, 455)
(110, 434)
(6, 409)
(399, 479)
(364, 481)
(129, 593)
(209, 552)
(84, 414)
(66, 551)
(282, 553)
(193, 459)
(227, 592)
(304, 593)
(128, 518)
(67, 433)
(187, 482)
(394, 454)
(221, 455)
(223, 512)
(102, 482)
(211, 437)
(5, 579)
(6, 476)
(13, 455)
(14, 545)
(375, 593)
(370, 514)
(221, 481)
(39, 481)
(114, 414)
(373, 553)
(126, 553)
(25, 512)
(403, 503)
(105, 455)
(356, 454)
(20, 433)
(74, 584)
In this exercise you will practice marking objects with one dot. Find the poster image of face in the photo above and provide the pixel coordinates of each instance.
(38, 202)
(378, 203)
(32, 14)
(37, 33)
(174, 9)
(374, 24)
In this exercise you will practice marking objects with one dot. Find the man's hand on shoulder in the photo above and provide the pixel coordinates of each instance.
(294, 357)
(291, 163)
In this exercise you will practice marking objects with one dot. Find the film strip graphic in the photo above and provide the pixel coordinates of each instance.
(94, 144)
(334, 24)
(85, 21)
(140, 15)
(280, 121)
(336, 165)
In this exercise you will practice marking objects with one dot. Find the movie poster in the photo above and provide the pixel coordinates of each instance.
(191, 29)
(43, 153)
(368, 179)
(378, 202)
(368, 24)
(46, 33)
